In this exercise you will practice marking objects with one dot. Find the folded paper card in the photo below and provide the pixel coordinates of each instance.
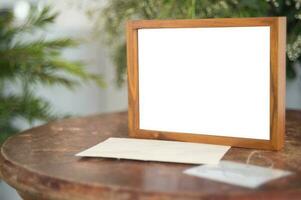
(157, 150)
(245, 175)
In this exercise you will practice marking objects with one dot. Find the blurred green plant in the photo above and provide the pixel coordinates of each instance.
(32, 62)
(112, 20)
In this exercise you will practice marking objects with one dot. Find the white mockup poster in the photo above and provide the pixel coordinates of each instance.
(212, 81)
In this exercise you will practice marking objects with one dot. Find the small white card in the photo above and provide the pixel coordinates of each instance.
(157, 150)
(245, 175)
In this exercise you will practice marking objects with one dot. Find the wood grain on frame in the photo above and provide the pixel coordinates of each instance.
(277, 78)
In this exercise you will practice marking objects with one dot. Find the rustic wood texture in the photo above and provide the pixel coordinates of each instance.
(41, 165)
(277, 80)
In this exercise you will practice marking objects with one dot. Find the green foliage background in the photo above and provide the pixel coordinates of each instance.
(32, 62)
(112, 20)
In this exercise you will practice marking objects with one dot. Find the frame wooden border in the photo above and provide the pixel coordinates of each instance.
(277, 77)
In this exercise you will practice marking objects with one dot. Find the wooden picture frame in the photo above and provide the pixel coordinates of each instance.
(277, 48)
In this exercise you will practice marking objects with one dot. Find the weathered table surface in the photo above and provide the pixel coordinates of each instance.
(40, 164)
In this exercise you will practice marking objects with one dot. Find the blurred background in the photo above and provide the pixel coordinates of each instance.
(65, 58)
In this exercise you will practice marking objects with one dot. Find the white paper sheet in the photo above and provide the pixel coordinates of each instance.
(244, 175)
(157, 150)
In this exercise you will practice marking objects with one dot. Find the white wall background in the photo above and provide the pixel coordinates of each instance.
(293, 91)
(89, 99)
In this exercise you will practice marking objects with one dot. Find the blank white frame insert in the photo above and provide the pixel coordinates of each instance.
(211, 81)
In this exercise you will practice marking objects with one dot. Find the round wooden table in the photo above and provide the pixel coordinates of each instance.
(40, 164)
